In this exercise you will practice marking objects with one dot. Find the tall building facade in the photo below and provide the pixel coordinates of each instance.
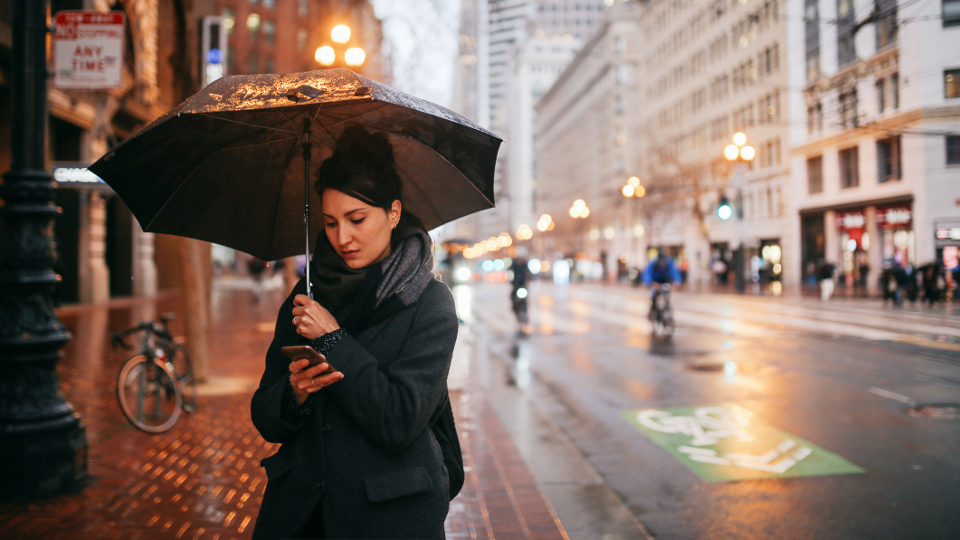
(876, 143)
(713, 68)
(514, 49)
(588, 145)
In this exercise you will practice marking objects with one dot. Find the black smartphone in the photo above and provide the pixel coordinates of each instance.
(299, 352)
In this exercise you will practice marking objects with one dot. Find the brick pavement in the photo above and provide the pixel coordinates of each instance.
(202, 479)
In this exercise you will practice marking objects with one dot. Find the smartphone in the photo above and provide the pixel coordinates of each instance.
(299, 352)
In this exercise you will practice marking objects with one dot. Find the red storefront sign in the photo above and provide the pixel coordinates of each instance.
(895, 217)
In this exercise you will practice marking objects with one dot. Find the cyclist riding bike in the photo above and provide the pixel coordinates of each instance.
(661, 271)
(519, 291)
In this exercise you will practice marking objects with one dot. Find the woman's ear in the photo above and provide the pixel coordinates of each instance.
(394, 214)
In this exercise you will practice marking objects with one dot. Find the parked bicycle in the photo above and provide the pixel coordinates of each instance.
(157, 384)
(661, 312)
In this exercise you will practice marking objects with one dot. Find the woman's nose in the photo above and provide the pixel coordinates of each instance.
(343, 238)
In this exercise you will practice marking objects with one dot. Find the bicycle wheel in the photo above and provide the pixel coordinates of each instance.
(149, 395)
(183, 368)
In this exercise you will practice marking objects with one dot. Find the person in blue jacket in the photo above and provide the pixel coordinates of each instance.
(660, 271)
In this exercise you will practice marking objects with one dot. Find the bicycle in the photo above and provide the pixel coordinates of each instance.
(661, 312)
(155, 386)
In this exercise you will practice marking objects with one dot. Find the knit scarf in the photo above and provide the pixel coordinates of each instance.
(353, 295)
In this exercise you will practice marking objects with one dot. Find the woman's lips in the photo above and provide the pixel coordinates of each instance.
(350, 254)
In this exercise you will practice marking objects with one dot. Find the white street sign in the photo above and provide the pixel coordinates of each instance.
(88, 49)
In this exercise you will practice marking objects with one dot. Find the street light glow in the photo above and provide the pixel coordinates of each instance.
(633, 182)
(739, 139)
(355, 56)
(748, 153)
(627, 190)
(340, 33)
(325, 55)
(731, 152)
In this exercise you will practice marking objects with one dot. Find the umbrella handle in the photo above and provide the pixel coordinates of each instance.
(307, 152)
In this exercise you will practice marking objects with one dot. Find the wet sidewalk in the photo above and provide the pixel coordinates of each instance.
(202, 479)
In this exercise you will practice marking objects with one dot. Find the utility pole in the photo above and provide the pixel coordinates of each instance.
(43, 444)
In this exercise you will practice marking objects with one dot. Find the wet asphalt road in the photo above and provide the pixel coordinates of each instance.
(839, 375)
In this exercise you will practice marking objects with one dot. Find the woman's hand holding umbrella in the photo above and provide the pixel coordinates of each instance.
(312, 321)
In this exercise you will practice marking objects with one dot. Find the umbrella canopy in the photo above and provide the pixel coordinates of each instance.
(228, 166)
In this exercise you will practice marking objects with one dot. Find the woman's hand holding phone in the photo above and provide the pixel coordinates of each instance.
(309, 371)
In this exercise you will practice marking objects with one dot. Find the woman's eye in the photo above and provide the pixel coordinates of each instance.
(357, 221)
(332, 224)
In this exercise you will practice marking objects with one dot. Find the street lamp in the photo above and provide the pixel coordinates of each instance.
(740, 154)
(579, 209)
(328, 55)
(739, 150)
(545, 223)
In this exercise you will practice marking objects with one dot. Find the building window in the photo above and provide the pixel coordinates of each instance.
(621, 105)
(951, 83)
(812, 33)
(268, 65)
(621, 45)
(846, 24)
(953, 149)
(815, 118)
(895, 90)
(302, 37)
(951, 12)
(848, 109)
(269, 31)
(888, 159)
(253, 26)
(849, 170)
(229, 20)
(886, 22)
(303, 8)
(253, 63)
(815, 174)
(269, 3)
(881, 96)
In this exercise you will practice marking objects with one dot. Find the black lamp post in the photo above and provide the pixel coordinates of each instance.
(43, 445)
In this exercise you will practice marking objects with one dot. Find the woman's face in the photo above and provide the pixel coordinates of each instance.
(359, 232)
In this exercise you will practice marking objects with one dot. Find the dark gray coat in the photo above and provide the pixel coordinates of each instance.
(365, 453)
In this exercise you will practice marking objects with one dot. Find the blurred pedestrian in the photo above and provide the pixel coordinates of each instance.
(256, 267)
(825, 277)
(360, 456)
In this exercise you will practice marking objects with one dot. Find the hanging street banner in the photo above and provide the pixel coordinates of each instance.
(88, 50)
(727, 443)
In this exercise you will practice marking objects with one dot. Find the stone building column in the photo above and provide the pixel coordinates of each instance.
(144, 265)
(98, 288)
(875, 251)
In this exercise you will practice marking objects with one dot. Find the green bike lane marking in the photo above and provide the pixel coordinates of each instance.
(724, 443)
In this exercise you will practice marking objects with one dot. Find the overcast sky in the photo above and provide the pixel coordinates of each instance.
(423, 38)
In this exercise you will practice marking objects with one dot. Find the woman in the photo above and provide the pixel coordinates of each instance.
(357, 457)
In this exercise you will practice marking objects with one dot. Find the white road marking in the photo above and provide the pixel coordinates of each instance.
(892, 395)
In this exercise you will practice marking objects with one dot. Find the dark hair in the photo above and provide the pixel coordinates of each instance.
(362, 166)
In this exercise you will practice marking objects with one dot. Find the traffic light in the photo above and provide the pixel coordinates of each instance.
(724, 210)
(213, 50)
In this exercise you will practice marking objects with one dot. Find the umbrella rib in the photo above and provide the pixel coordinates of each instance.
(294, 132)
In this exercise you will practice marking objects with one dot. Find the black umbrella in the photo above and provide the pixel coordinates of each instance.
(232, 164)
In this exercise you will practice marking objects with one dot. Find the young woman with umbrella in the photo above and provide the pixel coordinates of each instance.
(358, 457)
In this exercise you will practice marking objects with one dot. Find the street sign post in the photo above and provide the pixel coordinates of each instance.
(88, 50)
(727, 443)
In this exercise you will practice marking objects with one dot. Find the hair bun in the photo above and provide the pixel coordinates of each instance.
(357, 143)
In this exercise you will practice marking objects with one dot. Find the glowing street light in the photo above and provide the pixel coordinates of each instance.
(545, 223)
(739, 149)
(579, 209)
(325, 55)
(340, 33)
(355, 56)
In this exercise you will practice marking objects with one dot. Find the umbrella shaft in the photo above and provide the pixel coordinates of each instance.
(307, 147)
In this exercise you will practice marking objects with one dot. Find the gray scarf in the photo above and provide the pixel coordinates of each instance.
(408, 269)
